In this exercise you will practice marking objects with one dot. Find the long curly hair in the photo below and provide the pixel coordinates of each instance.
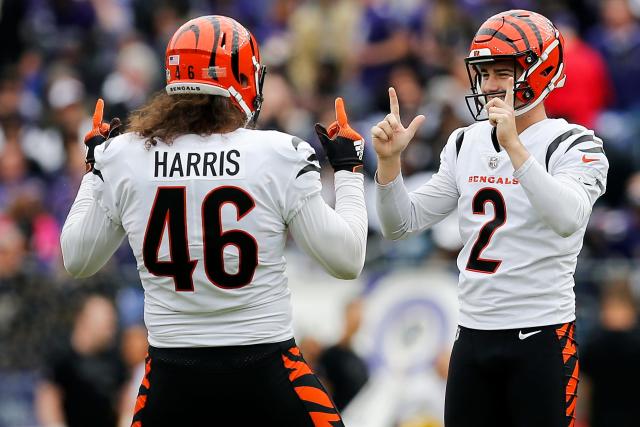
(167, 117)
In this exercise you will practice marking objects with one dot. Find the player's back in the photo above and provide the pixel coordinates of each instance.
(206, 218)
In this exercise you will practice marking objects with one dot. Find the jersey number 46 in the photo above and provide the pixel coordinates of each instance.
(169, 210)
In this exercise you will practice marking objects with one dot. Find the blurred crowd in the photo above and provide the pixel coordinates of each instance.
(70, 349)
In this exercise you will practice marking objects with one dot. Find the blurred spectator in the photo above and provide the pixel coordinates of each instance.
(448, 91)
(344, 371)
(84, 379)
(12, 13)
(610, 360)
(617, 231)
(31, 71)
(38, 225)
(447, 28)
(280, 110)
(588, 90)
(386, 41)
(42, 153)
(27, 323)
(112, 15)
(26, 302)
(21, 199)
(323, 34)
(618, 39)
(66, 98)
(135, 77)
(134, 351)
(422, 403)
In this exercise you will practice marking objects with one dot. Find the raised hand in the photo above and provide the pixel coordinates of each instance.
(343, 145)
(390, 137)
(502, 117)
(99, 133)
(99, 128)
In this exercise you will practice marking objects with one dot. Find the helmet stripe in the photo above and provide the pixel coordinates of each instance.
(192, 27)
(498, 35)
(235, 57)
(531, 25)
(216, 36)
(522, 33)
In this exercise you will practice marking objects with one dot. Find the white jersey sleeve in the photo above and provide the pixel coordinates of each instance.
(89, 236)
(93, 229)
(402, 213)
(582, 160)
(103, 191)
(577, 176)
(336, 239)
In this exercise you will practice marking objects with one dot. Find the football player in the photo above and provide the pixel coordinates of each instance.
(205, 203)
(524, 186)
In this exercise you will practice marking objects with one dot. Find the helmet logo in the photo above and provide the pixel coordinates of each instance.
(174, 59)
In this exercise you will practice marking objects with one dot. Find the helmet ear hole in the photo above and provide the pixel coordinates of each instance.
(244, 80)
(547, 71)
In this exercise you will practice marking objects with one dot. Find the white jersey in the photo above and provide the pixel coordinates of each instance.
(516, 268)
(206, 218)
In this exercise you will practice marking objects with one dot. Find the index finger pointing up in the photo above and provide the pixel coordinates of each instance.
(341, 114)
(394, 106)
(508, 98)
(97, 115)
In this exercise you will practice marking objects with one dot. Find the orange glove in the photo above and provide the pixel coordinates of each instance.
(99, 133)
(343, 145)
(99, 128)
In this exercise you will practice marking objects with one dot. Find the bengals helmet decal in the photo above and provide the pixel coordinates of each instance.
(215, 55)
(534, 45)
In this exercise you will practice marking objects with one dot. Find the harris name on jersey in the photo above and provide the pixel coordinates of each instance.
(204, 165)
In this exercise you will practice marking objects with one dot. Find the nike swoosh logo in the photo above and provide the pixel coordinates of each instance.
(586, 159)
(527, 335)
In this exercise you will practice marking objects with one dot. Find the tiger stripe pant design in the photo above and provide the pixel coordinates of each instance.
(261, 385)
(306, 385)
(513, 378)
(569, 347)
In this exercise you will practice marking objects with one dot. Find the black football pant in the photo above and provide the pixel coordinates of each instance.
(242, 386)
(513, 378)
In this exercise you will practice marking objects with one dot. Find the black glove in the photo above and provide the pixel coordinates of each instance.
(343, 145)
(100, 133)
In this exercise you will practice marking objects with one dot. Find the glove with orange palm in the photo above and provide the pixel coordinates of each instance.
(99, 133)
(343, 145)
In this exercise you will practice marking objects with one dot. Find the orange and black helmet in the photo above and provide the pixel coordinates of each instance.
(534, 45)
(215, 55)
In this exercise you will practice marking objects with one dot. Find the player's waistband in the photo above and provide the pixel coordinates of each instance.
(516, 330)
(218, 358)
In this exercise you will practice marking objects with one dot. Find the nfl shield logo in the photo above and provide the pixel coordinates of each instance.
(493, 162)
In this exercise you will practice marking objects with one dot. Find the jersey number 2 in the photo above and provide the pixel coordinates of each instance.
(169, 210)
(482, 197)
